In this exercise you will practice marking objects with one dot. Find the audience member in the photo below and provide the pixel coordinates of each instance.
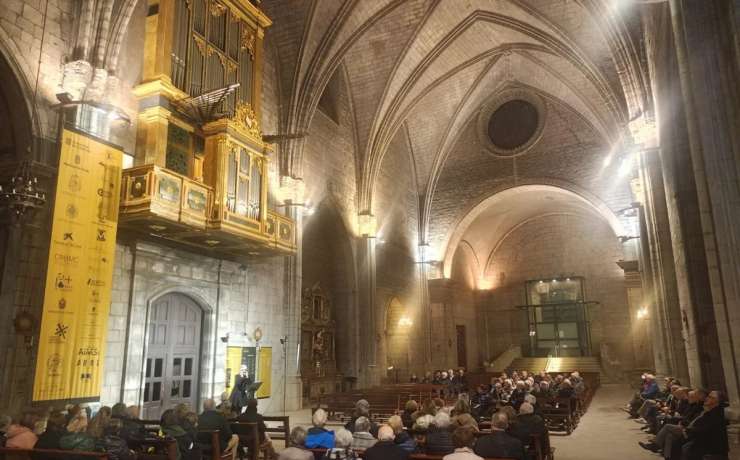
(76, 437)
(317, 436)
(296, 449)
(55, 429)
(408, 413)
(385, 448)
(211, 419)
(341, 449)
(110, 441)
(529, 424)
(438, 438)
(463, 439)
(362, 409)
(97, 425)
(20, 434)
(707, 434)
(131, 429)
(186, 441)
(499, 443)
(402, 438)
(361, 438)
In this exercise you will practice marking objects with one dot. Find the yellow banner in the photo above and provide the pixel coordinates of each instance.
(265, 372)
(80, 270)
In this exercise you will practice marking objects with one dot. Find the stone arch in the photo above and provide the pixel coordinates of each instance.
(592, 203)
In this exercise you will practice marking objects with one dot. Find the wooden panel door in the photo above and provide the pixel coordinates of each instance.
(171, 371)
(462, 347)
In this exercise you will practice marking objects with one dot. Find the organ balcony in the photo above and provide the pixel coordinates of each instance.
(160, 204)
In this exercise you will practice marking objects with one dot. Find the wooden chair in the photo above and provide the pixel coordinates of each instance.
(249, 438)
(210, 442)
(281, 431)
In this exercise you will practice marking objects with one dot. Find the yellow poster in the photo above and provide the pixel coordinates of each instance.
(265, 372)
(80, 270)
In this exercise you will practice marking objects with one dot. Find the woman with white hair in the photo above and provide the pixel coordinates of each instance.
(318, 436)
(296, 449)
(342, 449)
(439, 438)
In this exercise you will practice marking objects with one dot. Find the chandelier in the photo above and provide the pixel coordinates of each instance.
(22, 193)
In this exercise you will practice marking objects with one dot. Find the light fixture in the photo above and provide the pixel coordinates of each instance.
(22, 195)
(642, 312)
(624, 238)
(405, 321)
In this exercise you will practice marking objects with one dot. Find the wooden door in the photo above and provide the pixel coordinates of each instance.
(171, 371)
(462, 347)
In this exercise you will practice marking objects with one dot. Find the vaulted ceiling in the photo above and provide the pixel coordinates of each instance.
(425, 68)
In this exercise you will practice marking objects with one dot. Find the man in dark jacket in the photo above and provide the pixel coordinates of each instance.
(55, 429)
(707, 434)
(385, 448)
(529, 424)
(211, 419)
(673, 433)
(499, 443)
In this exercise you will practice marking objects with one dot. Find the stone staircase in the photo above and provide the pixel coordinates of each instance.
(587, 364)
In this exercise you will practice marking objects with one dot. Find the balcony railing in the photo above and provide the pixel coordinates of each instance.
(162, 204)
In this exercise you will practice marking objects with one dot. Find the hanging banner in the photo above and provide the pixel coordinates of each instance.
(80, 270)
(264, 372)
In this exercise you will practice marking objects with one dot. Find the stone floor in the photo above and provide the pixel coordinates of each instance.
(604, 433)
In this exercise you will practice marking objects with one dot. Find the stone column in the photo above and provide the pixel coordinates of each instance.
(665, 288)
(366, 280)
(292, 191)
(709, 74)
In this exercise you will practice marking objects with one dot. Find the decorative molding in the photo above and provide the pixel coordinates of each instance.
(217, 9)
(248, 40)
(201, 44)
(245, 118)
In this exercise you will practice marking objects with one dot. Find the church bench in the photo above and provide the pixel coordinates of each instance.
(210, 443)
(319, 454)
(281, 430)
(162, 448)
(10, 453)
(249, 437)
(560, 414)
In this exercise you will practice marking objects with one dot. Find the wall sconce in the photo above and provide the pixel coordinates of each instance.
(24, 324)
(405, 321)
(257, 335)
(642, 313)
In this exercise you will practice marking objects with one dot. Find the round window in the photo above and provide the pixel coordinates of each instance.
(513, 124)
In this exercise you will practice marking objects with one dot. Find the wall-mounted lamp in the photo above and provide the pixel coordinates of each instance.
(405, 321)
(642, 313)
(367, 225)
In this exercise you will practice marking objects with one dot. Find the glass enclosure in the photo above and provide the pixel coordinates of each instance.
(558, 318)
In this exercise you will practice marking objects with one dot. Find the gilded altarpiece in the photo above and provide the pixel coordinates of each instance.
(318, 332)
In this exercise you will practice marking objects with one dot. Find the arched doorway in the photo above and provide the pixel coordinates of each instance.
(172, 367)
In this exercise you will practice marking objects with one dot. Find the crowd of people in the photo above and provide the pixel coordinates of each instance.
(456, 432)
(687, 423)
(119, 432)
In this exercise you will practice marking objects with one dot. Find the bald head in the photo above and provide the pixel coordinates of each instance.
(500, 421)
(385, 433)
(209, 404)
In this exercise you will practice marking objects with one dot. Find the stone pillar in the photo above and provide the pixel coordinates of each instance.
(709, 74)
(292, 191)
(684, 221)
(665, 289)
(366, 279)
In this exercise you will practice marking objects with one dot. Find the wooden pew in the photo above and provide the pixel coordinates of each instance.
(210, 442)
(319, 454)
(164, 448)
(9, 453)
(249, 437)
(278, 427)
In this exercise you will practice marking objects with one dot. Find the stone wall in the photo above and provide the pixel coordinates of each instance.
(560, 246)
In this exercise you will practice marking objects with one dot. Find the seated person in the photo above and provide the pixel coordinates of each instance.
(362, 409)
(402, 438)
(211, 420)
(342, 449)
(517, 395)
(251, 415)
(55, 429)
(111, 443)
(707, 434)
(131, 429)
(186, 441)
(76, 437)
(499, 443)
(463, 439)
(528, 424)
(20, 434)
(420, 430)
(361, 438)
(319, 437)
(673, 433)
(385, 448)
(648, 390)
(296, 449)
(439, 438)
(408, 413)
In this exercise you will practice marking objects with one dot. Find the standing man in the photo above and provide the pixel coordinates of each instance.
(239, 396)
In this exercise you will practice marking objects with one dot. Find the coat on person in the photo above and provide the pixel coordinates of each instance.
(318, 438)
(707, 435)
(214, 420)
(499, 444)
(385, 450)
(295, 453)
(77, 441)
(20, 437)
(439, 441)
